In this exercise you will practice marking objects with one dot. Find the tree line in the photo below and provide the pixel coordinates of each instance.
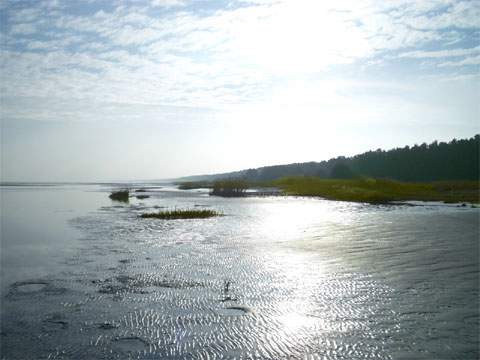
(454, 160)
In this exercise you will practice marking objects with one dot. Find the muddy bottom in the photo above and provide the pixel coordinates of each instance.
(277, 278)
(30, 287)
(130, 344)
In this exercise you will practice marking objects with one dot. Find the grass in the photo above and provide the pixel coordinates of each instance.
(121, 195)
(229, 188)
(381, 190)
(223, 186)
(190, 185)
(140, 197)
(182, 214)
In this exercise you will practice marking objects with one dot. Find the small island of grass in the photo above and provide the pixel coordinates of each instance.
(224, 188)
(141, 197)
(182, 214)
(230, 188)
(120, 195)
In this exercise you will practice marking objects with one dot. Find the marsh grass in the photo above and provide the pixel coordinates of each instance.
(140, 197)
(182, 214)
(120, 195)
(191, 185)
(230, 188)
(380, 190)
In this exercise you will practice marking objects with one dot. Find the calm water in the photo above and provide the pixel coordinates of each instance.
(83, 277)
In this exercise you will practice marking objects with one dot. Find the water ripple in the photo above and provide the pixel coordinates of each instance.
(275, 279)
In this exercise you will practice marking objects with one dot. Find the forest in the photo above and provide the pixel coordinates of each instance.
(438, 161)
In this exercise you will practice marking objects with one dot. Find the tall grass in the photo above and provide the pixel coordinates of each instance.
(120, 195)
(380, 190)
(190, 185)
(229, 188)
(182, 214)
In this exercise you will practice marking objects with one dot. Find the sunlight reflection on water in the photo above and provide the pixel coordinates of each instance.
(274, 278)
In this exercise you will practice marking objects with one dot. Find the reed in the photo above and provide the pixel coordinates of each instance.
(120, 195)
(229, 188)
(182, 214)
(380, 190)
(191, 185)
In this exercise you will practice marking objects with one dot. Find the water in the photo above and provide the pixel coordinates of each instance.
(275, 278)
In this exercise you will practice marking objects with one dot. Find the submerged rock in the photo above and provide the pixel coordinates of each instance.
(237, 310)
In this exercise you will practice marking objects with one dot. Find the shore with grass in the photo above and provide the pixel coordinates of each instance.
(367, 190)
(379, 191)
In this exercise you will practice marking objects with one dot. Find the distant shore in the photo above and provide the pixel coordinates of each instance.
(366, 190)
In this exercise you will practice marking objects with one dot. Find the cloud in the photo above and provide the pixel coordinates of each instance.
(165, 53)
(441, 53)
(167, 3)
(458, 14)
(472, 60)
(25, 15)
(23, 28)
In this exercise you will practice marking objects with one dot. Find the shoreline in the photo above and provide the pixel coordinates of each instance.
(361, 190)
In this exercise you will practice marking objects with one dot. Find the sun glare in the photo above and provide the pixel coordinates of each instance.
(301, 36)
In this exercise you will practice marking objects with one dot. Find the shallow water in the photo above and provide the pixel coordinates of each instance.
(275, 278)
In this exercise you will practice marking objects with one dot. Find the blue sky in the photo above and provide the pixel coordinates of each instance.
(109, 90)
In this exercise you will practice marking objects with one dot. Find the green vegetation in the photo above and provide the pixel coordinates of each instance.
(229, 188)
(182, 214)
(140, 197)
(358, 189)
(438, 161)
(190, 185)
(380, 190)
(121, 195)
(226, 188)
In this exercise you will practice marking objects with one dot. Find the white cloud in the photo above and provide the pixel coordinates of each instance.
(25, 15)
(328, 66)
(168, 3)
(472, 60)
(35, 45)
(216, 58)
(441, 53)
(459, 14)
(23, 29)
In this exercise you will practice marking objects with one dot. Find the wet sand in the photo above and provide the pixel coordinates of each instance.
(276, 278)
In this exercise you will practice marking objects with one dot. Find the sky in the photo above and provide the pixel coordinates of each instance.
(124, 90)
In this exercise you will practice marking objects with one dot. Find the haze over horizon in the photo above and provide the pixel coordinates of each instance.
(99, 91)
